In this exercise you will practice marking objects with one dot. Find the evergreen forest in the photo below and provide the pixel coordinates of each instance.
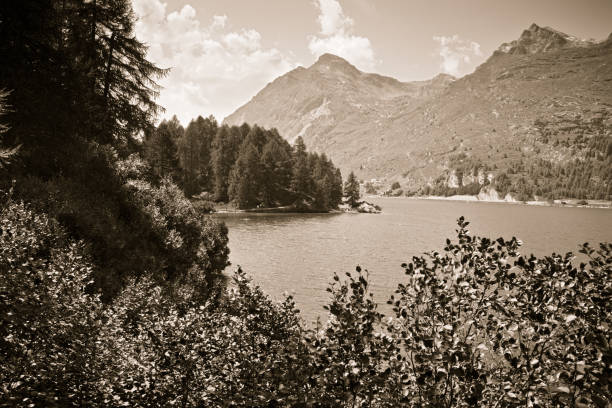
(249, 166)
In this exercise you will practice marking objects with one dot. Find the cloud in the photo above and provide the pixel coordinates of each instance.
(336, 37)
(456, 54)
(213, 69)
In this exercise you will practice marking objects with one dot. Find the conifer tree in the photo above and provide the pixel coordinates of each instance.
(351, 190)
(276, 178)
(336, 188)
(195, 155)
(300, 182)
(222, 162)
(78, 72)
(244, 184)
(161, 150)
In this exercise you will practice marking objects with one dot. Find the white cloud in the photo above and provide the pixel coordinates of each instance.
(219, 21)
(214, 70)
(457, 54)
(336, 37)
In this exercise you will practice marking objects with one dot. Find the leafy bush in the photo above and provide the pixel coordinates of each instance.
(48, 318)
(204, 206)
(133, 225)
(474, 325)
(483, 326)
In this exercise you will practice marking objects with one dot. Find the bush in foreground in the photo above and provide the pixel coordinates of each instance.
(473, 325)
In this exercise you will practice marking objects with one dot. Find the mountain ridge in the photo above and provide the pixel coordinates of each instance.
(428, 134)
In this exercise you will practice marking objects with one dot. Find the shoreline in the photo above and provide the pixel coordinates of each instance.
(363, 208)
(565, 203)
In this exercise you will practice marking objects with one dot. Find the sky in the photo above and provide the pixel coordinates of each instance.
(222, 52)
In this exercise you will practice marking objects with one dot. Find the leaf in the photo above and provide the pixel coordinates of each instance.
(570, 318)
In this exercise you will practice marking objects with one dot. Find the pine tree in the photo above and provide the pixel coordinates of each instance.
(301, 181)
(276, 178)
(194, 150)
(78, 73)
(161, 150)
(336, 189)
(222, 162)
(244, 184)
(351, 190)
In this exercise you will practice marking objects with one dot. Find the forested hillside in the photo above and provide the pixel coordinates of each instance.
(249, 166)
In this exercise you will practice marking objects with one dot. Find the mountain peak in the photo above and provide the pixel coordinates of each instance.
(538, 39)
(330, 58)
(333, 62)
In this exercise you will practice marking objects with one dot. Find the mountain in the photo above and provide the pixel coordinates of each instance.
(534, 119)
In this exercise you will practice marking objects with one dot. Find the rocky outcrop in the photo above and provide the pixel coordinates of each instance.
(363, 207)
(538, 39)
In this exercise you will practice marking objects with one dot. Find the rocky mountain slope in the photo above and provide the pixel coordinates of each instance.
(538, 110)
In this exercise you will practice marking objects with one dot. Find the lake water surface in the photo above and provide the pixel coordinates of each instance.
(298, 253)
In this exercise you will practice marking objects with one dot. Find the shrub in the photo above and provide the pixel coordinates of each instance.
(474, 325)
(484, 326)
(48, 319)
(204, 206)
(133, 225)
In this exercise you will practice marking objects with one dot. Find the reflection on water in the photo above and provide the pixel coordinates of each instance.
(298, 253)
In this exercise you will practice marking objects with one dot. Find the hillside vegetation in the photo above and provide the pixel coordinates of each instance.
(537, 114)
(250, 167)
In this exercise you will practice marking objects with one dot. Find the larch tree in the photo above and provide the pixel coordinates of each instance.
(276, 178)
(161, 150)
(300, 181)
(245, 178)
(194, 149)
(78, 74)
(351, 190)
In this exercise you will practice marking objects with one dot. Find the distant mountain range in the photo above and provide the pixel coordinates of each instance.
(538, 111)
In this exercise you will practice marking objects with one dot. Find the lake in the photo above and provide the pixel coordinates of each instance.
(298, 253)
